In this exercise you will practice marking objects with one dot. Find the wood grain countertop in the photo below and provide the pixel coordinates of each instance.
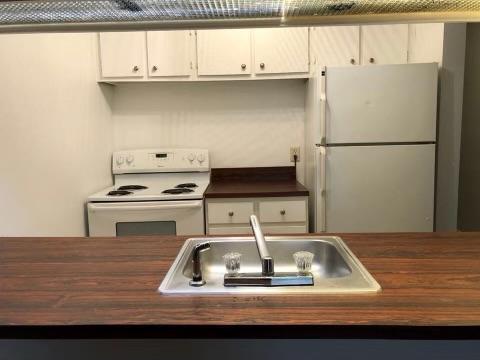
(96, 287)
(254, 182)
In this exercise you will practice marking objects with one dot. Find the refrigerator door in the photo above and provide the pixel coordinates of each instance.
(381, 188)
(381, 103)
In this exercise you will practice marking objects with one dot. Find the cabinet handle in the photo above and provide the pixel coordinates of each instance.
(154, 68)
(352, 61)
(262, 66)
(282, 212)
(230, 213)
(372, 60)
(244, 66)
(135, 68)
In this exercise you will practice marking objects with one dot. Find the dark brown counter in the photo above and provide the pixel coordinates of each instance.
(254, 182)
(96, 287)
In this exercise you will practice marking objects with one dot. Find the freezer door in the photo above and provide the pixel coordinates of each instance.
(380, 188)
(381, 104)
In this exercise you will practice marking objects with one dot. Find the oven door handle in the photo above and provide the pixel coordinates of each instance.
(146, 207)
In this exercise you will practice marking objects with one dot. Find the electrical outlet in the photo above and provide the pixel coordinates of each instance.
(294, 150)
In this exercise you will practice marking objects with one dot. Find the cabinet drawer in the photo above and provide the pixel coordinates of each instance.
(283, 211)
(230, 213)
(285, 229)
(231, 230)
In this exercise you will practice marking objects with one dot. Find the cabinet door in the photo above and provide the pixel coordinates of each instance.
(229, 212)
(122, 54)
(335, 45)
(169, 53)
(384, 44)
(224, 52)
(279, 51)
(283, 211)
(425, 43)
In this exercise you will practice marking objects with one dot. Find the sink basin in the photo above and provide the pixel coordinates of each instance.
(335, 268)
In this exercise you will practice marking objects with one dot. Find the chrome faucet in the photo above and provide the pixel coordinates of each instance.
(267, 277)
(265, 258)
(197, 277)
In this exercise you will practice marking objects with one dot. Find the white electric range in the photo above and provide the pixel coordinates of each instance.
(155, 192)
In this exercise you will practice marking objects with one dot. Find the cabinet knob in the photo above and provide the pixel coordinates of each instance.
(372, 60)
(262, 65)
(282, 212)
(154, 68)
(352, 61)
(230, 213)
(135, 68)
(244, 66)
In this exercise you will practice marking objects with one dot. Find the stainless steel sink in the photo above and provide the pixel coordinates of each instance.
(335, 268)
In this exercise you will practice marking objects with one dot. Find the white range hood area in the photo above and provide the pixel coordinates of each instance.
(83, 15)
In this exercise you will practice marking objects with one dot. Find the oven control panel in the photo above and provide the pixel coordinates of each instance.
(160, 160)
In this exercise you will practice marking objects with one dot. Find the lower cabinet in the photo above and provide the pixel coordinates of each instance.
(278, 215)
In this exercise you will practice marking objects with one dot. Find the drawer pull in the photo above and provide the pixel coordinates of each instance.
(282, 212)
(230, 213)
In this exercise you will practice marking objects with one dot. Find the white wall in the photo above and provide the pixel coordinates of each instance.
(55, 133)
(242, 123)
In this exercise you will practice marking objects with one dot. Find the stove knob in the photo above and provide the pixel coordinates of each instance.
(201, 158)
(191, 157)
(119, 160)
(129, 159)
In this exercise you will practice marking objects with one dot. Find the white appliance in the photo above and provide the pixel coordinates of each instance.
(156, 192)
(370, 148)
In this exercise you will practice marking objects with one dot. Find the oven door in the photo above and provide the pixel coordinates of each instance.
(146, 218)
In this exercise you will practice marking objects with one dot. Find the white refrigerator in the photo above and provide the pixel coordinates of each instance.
(370, 148)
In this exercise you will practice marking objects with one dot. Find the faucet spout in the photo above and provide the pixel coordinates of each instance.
(266, 259)
(197, 277)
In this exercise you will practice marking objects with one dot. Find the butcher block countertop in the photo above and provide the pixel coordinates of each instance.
(107, 287)
(254, 182)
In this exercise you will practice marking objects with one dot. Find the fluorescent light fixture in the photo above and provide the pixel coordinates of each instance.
(54, 15)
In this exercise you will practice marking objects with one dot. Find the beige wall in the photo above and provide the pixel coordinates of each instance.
(450, 126)
(469, 190)
(55, 133)
(242, 123)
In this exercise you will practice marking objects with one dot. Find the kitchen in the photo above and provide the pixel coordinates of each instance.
(231, 119)
(73, 104)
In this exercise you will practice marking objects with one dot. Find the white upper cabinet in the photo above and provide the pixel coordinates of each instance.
(170, 53)
(281, 50)
(335, 45)
(384, 44)
(224, 52)
(426, 43)
(122, 54)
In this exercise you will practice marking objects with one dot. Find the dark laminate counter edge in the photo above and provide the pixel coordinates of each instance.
(241, 332)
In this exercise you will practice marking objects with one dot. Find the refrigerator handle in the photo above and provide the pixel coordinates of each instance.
(320, 201)
(323, 111)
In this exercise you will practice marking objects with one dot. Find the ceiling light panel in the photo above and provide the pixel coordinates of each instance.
(208, 13)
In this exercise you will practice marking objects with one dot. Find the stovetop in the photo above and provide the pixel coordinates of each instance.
(154, 187)
(157, 175)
